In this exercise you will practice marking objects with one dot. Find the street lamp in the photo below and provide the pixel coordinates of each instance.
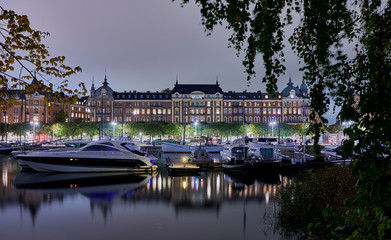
(114, 124)
(34, 123)
(347, 124)
(5, 126)
(141, 138)
(195, 124)
(272, 124)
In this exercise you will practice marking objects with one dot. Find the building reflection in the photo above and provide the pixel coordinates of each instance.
(206, 191)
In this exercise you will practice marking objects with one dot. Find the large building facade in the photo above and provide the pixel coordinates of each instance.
(186, 103)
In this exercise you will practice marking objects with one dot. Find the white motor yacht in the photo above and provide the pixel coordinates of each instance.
(98, 156)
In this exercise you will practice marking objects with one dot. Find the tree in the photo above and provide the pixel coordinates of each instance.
(60, 116)
(258, 129)
(332, 72)
(24, 57)
(334, 128)
(166, 90)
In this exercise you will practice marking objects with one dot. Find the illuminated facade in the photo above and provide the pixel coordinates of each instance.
(186, 103)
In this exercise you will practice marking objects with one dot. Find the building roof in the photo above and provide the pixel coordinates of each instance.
(303, 86)
(108, 91)
(189, 88)
(142, 95)
(287, 90)
(242, 95)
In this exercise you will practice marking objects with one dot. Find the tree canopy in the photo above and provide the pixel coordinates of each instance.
(345, 52)
(24, 58)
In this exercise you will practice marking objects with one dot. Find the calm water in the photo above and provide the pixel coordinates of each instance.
(211, 205)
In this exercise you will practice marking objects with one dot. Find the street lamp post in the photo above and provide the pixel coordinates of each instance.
(34, 123)
(114, 124)
(5, 126)
(141, 137)
(195, 124)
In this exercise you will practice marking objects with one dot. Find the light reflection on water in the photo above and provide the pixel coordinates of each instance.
(123, 206)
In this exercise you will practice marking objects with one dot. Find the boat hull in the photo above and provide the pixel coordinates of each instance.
(74, 164)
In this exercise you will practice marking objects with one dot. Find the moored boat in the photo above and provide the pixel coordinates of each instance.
(203, 159)
(235, 157)
(99, 156)
(168, 147)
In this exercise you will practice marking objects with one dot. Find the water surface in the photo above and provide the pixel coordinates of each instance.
(208, 205)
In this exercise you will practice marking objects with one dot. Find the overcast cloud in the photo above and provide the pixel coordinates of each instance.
(141, 44)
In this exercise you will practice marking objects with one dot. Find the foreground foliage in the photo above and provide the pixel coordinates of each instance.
(24, 56)
(317, 201)
(345, 53)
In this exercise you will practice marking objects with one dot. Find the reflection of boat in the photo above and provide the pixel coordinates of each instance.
(168, 147)
(99, 156)
(239, 178)
(94, 185)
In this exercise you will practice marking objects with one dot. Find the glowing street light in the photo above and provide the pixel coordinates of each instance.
(347, 123)
(34, 123)
(114, 124)
(195, 124)
(141, 140)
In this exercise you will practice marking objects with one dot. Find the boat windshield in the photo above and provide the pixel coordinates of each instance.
(267, 152)
(132, 149)
(100, 148)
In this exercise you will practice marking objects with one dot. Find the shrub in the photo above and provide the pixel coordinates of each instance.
(316, 201)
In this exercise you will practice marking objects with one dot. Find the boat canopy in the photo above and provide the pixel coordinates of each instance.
(130, 148)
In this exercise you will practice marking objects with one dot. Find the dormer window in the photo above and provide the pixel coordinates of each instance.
(292, 93)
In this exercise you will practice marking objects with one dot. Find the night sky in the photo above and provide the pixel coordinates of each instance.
(142, 44)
